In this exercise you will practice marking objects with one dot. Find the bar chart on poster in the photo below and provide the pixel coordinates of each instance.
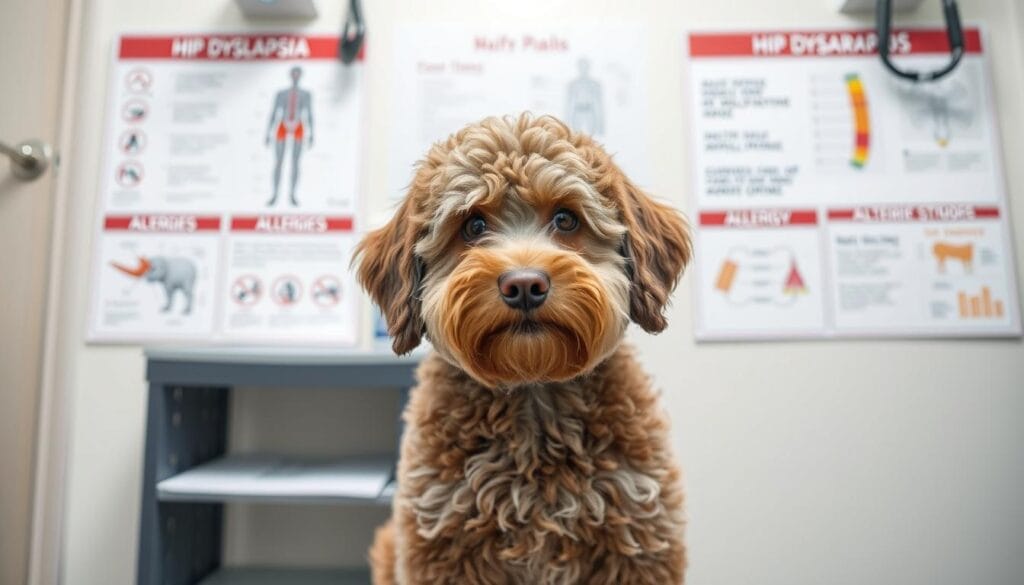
(834, 199)
(230, 191)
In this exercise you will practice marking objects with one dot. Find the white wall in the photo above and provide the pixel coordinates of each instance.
(832, 462)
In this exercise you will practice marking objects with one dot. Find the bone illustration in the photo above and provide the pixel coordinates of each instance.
(175, 274)
(948, 107)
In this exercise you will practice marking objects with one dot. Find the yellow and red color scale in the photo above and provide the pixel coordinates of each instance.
(861, 120)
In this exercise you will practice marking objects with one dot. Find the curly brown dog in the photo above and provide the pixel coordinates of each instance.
(534, 451)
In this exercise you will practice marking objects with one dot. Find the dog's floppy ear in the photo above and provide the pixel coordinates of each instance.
(392, 273)
(656, 247)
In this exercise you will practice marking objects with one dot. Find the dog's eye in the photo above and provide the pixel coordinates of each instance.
(565, 220)
(474, 228)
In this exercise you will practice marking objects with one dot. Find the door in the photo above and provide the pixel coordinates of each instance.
(32, 43)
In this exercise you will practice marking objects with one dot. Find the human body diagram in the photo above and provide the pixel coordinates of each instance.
(585, 105)
(291, 122)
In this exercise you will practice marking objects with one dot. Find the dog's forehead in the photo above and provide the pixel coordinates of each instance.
(512, 179)
(487, 161)
(515, 172)
(496, 178)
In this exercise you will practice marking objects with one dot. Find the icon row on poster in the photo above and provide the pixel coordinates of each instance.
(132, 141)
(286, 290)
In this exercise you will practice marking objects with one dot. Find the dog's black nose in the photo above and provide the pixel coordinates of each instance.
(524, 289)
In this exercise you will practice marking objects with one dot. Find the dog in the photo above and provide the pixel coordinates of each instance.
(534, 451)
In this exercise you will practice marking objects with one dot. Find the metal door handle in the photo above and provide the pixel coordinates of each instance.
(29, 159)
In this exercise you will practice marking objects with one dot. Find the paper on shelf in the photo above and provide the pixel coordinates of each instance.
(274, 477)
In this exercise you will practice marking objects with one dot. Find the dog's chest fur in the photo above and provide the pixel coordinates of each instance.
(542, 480)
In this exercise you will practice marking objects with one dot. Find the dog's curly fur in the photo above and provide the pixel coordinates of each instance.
(534, 450)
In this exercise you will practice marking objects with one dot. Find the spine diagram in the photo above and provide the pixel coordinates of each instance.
(861, 120)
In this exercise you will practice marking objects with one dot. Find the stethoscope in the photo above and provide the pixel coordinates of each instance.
(352, 33)
(954, 32)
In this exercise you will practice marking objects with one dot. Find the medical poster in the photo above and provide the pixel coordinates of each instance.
(448, 76)
(230, 191)
(835, 200)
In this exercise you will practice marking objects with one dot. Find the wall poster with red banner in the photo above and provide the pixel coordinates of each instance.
(230, 189)
(835, 200)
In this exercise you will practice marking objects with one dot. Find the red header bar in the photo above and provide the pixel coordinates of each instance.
(828, 43)
(291, 224)
(758, 218)
(229, 47)
(163, 223)
(913, 213)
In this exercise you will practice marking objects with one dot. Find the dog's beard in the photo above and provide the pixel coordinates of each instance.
(530, 351)
(499, 346)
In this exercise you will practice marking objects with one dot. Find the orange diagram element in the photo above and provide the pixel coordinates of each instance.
(297, 132)
(137, 272)
(963, 253)
(794, 282)
(726, 276)
(981, 306)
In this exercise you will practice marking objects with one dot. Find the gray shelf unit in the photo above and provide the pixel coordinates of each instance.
(272, 576)
(180, 537)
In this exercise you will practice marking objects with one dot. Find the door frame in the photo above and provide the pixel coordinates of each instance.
(53, 414)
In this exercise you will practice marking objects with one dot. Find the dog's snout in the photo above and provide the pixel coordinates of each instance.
(524, 289)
